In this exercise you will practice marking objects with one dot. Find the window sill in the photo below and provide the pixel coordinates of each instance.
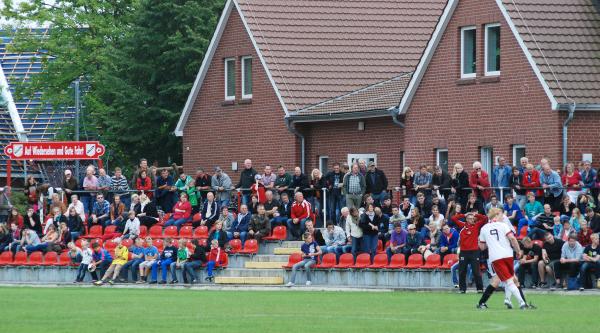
(466, 81)
(226, 103)
(246, 101)
(490, 79)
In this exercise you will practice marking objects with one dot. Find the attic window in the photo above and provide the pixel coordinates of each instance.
(246, 77)
(492, 49)
(468, 52)
(229, 79)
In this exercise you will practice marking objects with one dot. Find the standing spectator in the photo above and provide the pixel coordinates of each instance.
(570, 258)
(203, 183)
(30, 190)
(197, 258)
(315, 193)
(422, 181)
(300, 212)
(221, 184)
(247, 177)
(101, 261)
(78, 206)
(210, 211)
(282, 181)
(182, 257)
(143, 166)
(150, 257)
(459, 180)
(168, 256)
(501, 177)
(260, 226)
(572, 182)
(588, 179)
(145, 211)
(531, 181)
(121, 258)
(86, 260)
(407, 182)
(100, 212)
(132, 226)
(299, 181)
(441, 183)
(531, 254)
(165, 191)
(75, 223)
(239, 228)
(181, 212)
(515, 182)
(523, 164)
(216, 257)
(335, 240)
(268, 178)
(590, 260)
(354, 231)
(90, 184)
(310, 252)
(119, 186)
(479, 181)
(354, 187)
(376, 184)
(551, 253)
(16, 218)
(362, 166)
(584, 235)
(397, 241)
(334, 180)
(552, 186)
(70, 184)
(144, 184)
(469, 247)
(137, 257)
(103, 182)
(370, 229)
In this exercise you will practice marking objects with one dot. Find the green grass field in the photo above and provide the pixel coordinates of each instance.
(162, 310)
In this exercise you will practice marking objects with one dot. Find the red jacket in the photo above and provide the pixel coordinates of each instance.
(484, 181)
(300, 210)
(575, 179)
(469, 234)
(259, 192)
(531, 179)
(216, 255)
(143, 185)
(187, 207)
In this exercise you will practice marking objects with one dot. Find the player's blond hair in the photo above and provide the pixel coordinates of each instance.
(493, 213)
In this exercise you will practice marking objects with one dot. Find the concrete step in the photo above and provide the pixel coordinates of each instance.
(264, 264)
(239, 261)
(268, 247)
(250, 272)
(273, 280)
(286, 250)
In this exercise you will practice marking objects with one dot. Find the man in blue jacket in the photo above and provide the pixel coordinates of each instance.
(239, 228)
(448, 241)
(414, 241)
(501, 176)
(550, 181)
(588, 177)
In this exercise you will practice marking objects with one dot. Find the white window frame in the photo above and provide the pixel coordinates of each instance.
(227, 96)
(437, 156)
(462, 52)
(245, 96)
(485, 47)
(321, 158)
(487, 158)
(365, 157)
(514, 154)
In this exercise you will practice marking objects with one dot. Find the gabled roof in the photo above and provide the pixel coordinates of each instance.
(560, 39)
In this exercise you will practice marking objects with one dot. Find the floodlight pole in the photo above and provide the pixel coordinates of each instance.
(77, 124)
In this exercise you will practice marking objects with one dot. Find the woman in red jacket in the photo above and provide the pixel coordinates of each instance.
(531, 180)
(479, 181)
(181, 212)
(571, 180)
(144, 184)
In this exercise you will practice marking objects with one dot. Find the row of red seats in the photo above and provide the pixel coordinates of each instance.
(35, 259)
(380, 261)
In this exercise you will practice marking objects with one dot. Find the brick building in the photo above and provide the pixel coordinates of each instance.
(400, 82)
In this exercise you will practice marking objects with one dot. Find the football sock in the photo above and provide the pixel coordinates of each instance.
(522, 294)
(487, 293)
(515, 291)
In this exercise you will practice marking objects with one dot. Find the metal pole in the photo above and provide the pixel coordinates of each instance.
(325, 207)
(77, 124)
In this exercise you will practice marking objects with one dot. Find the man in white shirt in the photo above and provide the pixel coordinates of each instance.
(78, 205)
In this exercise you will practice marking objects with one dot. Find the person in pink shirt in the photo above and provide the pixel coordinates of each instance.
(181, 212)
(90, 183)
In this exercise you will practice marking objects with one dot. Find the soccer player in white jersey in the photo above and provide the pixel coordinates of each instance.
(500, 241)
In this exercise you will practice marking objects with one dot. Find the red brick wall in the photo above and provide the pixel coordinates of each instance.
(462, 118)
(584, 137)
(218, 134)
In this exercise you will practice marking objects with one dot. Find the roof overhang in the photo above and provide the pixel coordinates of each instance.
(295, 118)
(579, 107)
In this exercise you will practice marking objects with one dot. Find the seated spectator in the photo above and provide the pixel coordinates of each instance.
(299, 214)
(215, 256)
(145, 211)
(117, 212)
(137, 257)
(353, 232)
(448, 241)
(182, 257)
(181, 212)
(474, 205)
(316, 233)
(570, 258)
(150, 257)
(584, 234)
(383, 223)
(370, 229)
(397, 240)
(193, 197)
(121, 258)
(86, 260)
(436, 219)
(310, 252)
(132, 226)
(533, 209)
(593, 220)
(16, 234)
(210, 211)
(271, 205)
(239, 228)
(576, 219)
(75, 223)
(566, 231)
(260, 226)
(100, 212)
(590, 261)
(406, 207)
(436, 200)
(515, 182)
(423, 206)
(48, 240)
(168, 256)
(64, 237)
(5, 237)
(531, 254)
(218, 234)
(196, 259)
(253, 205)
(479, 181)
(434, 236)
(15, 217)
(558, 227)
(542, 223)
(566, 208)
(335, 240)
(398, 217)
(226, 219)
(386, 206)
(551, 253)
(32, 221)
(56, 219)
(512, 209)
(55, 202)
(413, 241)
(417, 220)
(494, 203)
(29, 238)
(101, 261)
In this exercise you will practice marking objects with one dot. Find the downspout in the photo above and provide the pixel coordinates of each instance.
(565, 131)
(395, 112)
(293, 130)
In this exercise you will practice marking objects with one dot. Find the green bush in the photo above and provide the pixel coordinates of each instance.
(19, 199)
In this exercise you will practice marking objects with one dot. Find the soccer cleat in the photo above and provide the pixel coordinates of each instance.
(99, 283)
(308, 283)
(480, 291)
(290, 284)
(174, 281)
(524, 306)
(482, 306)
(530, 306)
(508, 304)
(111, 282)
(455, 286)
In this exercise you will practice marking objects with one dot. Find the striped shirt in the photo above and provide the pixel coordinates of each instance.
(118, 184)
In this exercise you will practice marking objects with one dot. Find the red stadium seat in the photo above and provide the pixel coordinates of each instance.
(159, 243)
(64, 259)
(522, 232)
(293, 259)
(156, 231)
(50, 259)
(143, 231)
(397, 261)
(203, 242)
(171, 232)
(110, 245)
(20, 259)
(197, 218)
(95, 232)
(328, 261)
(380, 261)
(449, 261)
(201, 232)
(236, 245)
(362, 261)
(225, 262)
(127, 242)
(6, 258)
(111, 229)
(250, 247)
(415, 261)
(346, 260)
(97, 240)
(279, 233)
(186, 232)
(35, 259)
(432, 262)
(78, 242)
